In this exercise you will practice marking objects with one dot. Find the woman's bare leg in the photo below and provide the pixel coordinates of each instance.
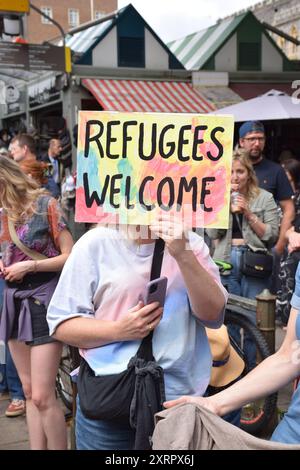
(44, 365)
(21, 356)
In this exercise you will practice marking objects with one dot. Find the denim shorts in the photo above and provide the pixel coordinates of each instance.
(92, 434)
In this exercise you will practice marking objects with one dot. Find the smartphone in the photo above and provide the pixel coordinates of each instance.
(156, 291)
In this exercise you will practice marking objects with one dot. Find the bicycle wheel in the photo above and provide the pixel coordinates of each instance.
(256, 415)
(63, 379)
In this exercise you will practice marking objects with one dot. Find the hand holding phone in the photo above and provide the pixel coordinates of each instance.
(155, 291)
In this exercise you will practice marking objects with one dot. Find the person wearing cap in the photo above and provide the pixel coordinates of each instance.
(270, 175)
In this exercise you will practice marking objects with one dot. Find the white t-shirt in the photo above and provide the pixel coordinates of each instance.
(103, 278)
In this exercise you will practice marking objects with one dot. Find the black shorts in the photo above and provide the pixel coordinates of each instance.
(40, 328)
(38, 313)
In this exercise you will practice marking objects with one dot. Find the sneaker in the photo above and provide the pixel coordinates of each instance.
(15, 408)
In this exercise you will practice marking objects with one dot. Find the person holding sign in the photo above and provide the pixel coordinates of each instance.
(144, 176)
(101, 314)
(253, 225)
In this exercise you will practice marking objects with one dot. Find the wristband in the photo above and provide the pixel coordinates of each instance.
(34, 266)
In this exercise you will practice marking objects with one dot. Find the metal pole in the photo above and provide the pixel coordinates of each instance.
(92, 10)
(265, 316)
(27, 106)
(62, 32)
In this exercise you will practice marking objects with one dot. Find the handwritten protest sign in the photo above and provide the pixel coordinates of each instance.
(131, 166)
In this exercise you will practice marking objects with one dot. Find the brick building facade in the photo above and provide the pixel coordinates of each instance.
(68, 13)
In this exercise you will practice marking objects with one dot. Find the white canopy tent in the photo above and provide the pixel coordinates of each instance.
(273, 105)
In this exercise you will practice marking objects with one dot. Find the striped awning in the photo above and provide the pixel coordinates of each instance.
(147, 96)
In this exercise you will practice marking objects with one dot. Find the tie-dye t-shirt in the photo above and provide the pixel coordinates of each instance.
(104, 276)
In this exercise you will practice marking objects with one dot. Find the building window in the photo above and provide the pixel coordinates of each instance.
(249, 56)
(48, 11)
(73, 16)
(131, 52)
(99, 14)
(131, 42)
(294, 34)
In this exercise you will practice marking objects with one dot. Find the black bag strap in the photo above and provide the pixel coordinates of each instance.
(145, 349)
(157, 259)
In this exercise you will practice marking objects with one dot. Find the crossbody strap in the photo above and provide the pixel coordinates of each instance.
(157, 259)
(145, 349)
(28, 252)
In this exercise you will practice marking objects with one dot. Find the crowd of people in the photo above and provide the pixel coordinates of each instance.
(83, 296)
(31, 219)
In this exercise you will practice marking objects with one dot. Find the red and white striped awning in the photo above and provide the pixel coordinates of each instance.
(147, 96)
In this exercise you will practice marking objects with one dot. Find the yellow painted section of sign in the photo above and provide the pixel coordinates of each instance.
(68, 60)
(18, 6)
(132, 167)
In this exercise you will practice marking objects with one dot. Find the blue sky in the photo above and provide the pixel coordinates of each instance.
(172, 19)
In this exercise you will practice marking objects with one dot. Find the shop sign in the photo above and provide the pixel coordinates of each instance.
(34, 57)
(12, 94)
(14, 6)
(12, 99)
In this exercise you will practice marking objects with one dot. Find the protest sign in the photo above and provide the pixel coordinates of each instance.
(131, 166)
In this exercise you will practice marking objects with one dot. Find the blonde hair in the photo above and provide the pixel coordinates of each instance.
(242, 156)
(18, 192)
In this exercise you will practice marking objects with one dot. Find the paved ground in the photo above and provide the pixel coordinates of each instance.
(14, 435)
(13, 431)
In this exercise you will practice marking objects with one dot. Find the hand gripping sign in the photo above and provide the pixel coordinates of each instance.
(131, 166)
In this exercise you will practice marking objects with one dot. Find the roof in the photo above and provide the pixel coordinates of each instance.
(147, 96)
(86, 40)
(220, 96)
(19, 76)
(273, 105)
(194, 50)
(83, 40)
